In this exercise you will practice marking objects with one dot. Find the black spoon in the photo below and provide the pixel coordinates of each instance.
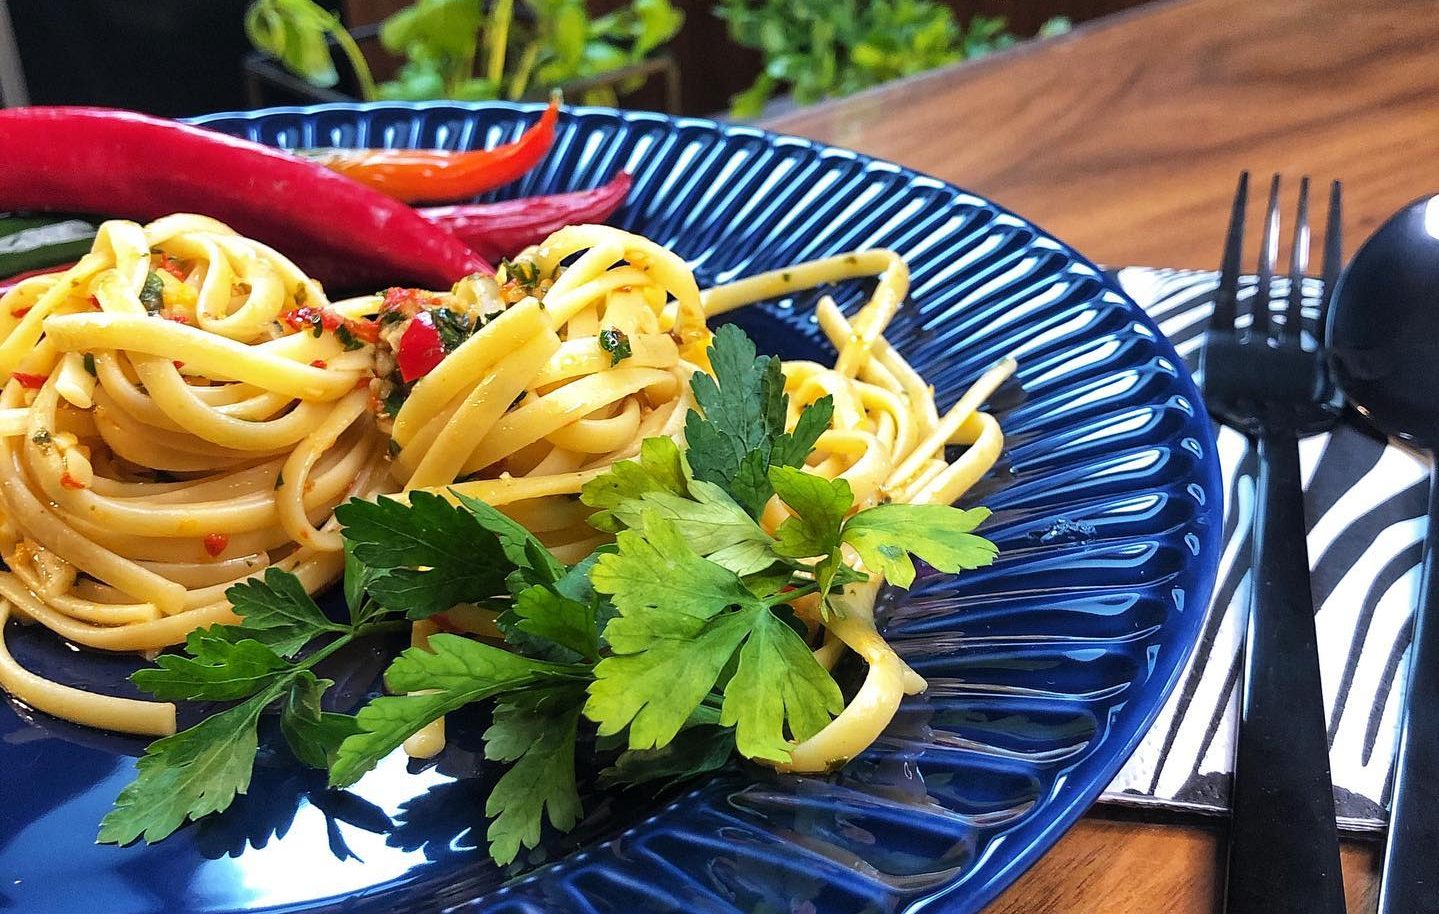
(1383, 335)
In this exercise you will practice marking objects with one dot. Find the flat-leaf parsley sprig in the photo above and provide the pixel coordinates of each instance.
(676, 646)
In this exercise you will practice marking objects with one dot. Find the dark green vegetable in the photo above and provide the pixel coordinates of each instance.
(616, 344)
(35, 242)
(152, 294)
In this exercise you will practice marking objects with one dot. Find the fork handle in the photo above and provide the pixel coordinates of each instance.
(1410, 884)
(1283, 845)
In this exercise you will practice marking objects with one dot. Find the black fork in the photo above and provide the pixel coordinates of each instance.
(1270, 381)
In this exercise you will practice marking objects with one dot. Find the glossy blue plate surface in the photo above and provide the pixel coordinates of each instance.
(1044, 669)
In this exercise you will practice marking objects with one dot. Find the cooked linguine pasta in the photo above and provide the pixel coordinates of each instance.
(184, 408)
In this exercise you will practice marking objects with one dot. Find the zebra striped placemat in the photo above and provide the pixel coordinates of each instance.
(1365, 502)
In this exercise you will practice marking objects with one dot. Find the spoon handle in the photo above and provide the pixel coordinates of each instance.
(1410, 882)
(1283, 845)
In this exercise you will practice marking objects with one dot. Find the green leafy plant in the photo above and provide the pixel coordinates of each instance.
(297, 33)
(674, 647)
(468, 49)
(821, 49)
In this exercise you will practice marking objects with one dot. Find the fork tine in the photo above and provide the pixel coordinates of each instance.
(1227, 296)
(1333, 256)
(1268, 256)
(1298, 264)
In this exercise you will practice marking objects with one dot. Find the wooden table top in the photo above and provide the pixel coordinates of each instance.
(1124, 138)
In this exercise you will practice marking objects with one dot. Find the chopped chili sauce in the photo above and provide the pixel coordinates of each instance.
(318, 320)
(175, 268)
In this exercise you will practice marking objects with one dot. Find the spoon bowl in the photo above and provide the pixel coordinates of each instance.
(1383, 331)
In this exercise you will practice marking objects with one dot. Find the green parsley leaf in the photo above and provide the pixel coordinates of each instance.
(464, 562)
(710, 521)
(694, 751)
(777, 681)
(454, 672)
(616, 343)
(453, 327)
(667, 656)
(357, 578)
(222, 667)
(536, 731)
(570, 624)
(278, 612)
(200, 770)
(744, 411)
(660, 468)
(520, 545)
(741, 432)
(314, 735)
(819, 507)
(561, 622)
(791, 449)
(152, 293)
(188, 775)
(769, 581)
(939, 534)
(681, 620)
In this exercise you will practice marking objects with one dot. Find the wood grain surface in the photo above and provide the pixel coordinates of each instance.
(1125, 139)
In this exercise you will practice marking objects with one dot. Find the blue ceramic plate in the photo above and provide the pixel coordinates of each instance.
(1044, 669)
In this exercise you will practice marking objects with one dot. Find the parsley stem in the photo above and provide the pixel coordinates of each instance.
(347, 636)
(785, 596)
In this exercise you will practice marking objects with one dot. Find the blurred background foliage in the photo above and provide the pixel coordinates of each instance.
(760, 52)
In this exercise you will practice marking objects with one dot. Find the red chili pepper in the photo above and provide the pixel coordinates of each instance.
(21, 312)
(421, 348)
(419, 175)
(70, 482)
(178, 364)
(129, 165)
(215, 543)
(495, 230)
(172, 267)
(29, 381)
(319, 363)
(179, 317)
(365, 331)
(308, 317)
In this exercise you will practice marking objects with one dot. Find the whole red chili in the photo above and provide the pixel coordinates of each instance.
(496, 230)
(119, 163)
(419, 175)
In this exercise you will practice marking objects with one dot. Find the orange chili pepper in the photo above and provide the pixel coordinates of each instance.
(433, 175)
